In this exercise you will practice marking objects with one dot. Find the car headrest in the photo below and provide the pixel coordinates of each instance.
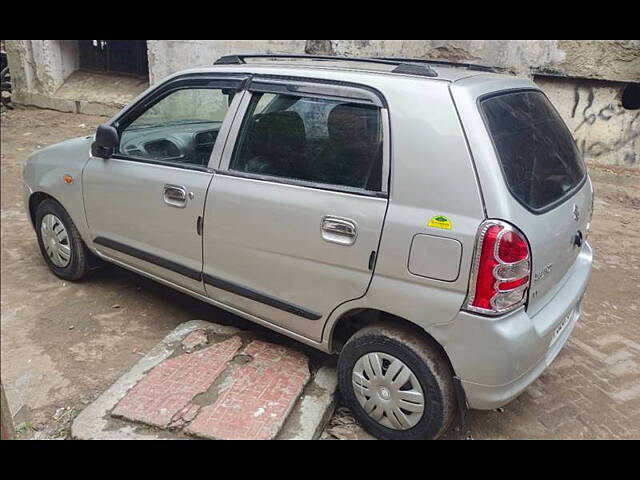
(348, 122)
(277, 134)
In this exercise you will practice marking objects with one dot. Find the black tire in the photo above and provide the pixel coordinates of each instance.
(427, 362)
(78, 267)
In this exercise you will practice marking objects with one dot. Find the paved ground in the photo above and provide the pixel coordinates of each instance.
(64, 344)
(210, 381)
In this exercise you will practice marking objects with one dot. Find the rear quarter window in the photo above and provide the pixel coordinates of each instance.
(538, 156)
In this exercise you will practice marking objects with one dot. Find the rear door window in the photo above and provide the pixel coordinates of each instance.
(539, 158)
(311, 139)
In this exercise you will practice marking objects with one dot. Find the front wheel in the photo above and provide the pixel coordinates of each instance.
(60, 242)
(397, 383)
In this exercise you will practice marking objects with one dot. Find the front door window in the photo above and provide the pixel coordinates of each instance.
(181, 128)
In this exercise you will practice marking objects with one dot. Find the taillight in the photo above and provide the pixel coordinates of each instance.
(501, 269)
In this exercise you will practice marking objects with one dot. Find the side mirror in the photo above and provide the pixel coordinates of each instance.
(106, 141)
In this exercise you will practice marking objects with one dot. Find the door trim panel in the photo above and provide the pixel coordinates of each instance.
(208, 279)
(210, 301)
(260, 297)
(149, 257)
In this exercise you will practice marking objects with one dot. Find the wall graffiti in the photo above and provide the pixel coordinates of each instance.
(605, 131)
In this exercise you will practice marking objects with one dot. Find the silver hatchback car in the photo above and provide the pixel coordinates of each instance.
(428, 223)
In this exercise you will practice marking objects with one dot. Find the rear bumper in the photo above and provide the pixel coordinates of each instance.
(497, 358)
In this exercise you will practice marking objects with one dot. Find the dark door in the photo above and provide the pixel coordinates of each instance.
(114, 56)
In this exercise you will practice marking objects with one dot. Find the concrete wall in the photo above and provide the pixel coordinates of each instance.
(605, 132)
(38, 68)
(584, 79)
(169, 56)
(41, 66)
(617, 60)
(42, 74)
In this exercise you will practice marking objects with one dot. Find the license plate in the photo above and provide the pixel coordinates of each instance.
(562, 325)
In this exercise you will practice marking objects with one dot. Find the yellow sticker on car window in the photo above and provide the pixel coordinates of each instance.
(440, 221)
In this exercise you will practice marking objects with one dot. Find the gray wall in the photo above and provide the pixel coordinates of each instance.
(605, 132)
(614, 60)
(617, 60)
(584, 79)
(169, 56)
(39, 67)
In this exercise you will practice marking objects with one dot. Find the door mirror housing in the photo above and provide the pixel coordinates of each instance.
(106, 141)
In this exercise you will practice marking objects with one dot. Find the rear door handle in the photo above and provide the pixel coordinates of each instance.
(175, 195)
(338, 230)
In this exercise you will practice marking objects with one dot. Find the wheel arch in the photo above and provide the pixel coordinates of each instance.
(39, 196)
(355, 319)
(35, 199)
(401, 331)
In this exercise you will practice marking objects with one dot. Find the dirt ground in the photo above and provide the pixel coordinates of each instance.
(64, 343)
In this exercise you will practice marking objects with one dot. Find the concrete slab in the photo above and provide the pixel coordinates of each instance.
(314, 409)
(232, 385)
(107, 90)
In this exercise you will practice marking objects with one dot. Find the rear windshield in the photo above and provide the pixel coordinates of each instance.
(538, 155)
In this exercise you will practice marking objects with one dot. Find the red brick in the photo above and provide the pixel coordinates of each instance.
(258, 397)
(170, 386)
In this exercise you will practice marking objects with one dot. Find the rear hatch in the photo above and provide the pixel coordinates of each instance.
(549, 193)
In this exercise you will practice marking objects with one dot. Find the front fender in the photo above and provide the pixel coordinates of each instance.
(44, 172)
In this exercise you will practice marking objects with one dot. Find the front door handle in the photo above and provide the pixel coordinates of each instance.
(339, 230)
(175, 195)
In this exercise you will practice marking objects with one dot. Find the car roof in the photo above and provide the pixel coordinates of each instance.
(286, 66)
(376, 75)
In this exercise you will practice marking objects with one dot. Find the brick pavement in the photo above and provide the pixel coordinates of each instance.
(167, 390)
(259, 395)
(221, 391)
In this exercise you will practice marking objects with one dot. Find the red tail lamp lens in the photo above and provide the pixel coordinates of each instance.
(502, 269)
(512, 248)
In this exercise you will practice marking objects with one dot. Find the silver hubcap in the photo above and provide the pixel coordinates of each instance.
(388, 390)
(55, 240)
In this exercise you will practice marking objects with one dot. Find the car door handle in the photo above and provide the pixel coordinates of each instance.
(175, 195)
(339, 230)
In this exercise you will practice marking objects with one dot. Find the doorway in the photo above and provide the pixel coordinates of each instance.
(128, 57)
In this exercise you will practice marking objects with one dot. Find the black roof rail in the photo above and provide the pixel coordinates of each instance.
(444, 63)
(402, 65)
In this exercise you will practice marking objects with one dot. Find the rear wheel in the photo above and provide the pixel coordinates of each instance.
(397, 383)
(60, 242)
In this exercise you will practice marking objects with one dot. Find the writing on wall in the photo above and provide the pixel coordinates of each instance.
(606, 133)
